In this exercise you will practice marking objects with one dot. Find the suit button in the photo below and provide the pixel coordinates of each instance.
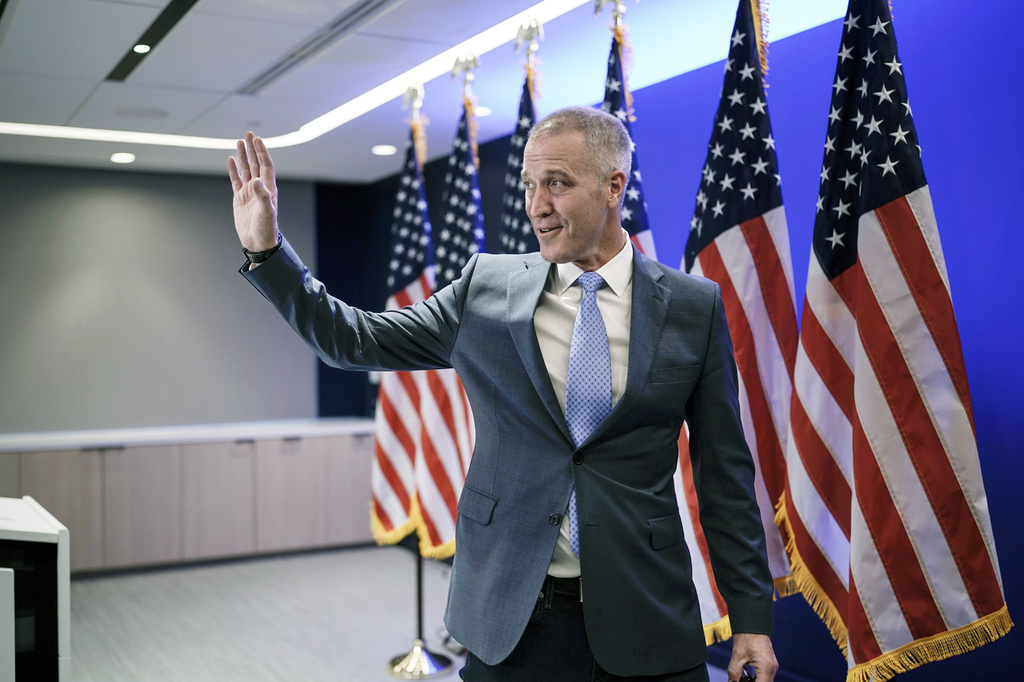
(577, 458)
(554, 519)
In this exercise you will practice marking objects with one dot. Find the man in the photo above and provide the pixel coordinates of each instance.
(571, 562)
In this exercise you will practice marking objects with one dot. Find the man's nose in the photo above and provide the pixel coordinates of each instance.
(539, 204)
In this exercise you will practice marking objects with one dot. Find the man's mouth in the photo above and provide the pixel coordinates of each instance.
(545, 230)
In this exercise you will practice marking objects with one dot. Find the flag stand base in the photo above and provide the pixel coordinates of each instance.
(419, 663)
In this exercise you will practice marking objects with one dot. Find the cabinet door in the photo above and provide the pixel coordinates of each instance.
(291, 492)
(219, 504)
(142, 505)
(69, 485)
(348, 489)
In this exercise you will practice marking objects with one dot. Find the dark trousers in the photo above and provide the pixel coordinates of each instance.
(554, 647)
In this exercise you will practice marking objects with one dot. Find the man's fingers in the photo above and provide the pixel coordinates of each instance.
(236, 181)
(250, 153)
(265, 162)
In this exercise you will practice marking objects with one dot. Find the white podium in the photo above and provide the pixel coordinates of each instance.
(35, 547)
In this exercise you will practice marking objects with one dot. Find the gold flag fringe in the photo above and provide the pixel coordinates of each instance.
(626, 59)
(803, 581)
(472, 126)
(719, 631)
(936, 648)
(760, 31)
(419, 139)
(917, 653)
(414, 524)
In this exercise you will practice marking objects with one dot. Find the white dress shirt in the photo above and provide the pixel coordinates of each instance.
(553, 322)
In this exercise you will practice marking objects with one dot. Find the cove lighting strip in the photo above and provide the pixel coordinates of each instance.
(494, 37)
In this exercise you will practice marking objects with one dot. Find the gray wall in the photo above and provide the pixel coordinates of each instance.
(121, 304)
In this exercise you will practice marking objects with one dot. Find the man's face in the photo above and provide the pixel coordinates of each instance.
(575, 214)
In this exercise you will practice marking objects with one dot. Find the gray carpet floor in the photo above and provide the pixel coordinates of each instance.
(331, 616)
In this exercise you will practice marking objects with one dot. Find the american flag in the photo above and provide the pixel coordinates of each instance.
(516, 230)
(397, 424)
(619, 102)
(891, 536)
(461, 233)
(739, 239)
(446, 442)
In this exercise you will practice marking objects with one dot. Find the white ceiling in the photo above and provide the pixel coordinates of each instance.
(55, 56)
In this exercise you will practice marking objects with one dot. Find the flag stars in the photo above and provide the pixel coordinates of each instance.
(883, 95)
(851, 22)
(900, 135)
(874, 126)
(748, 191)
(736, 97)
(839, 85)
(725, 124)
(747, 72)
(748, 132)
(879, 27)
(836, 239)
(758, 107)
(769, 142)
(737, 38)
(718, 209)
(845, 53)
(717, 150)
(737, 157)
(894, 66)
(848, 179)
(841, 209)
(888, 166)
(759, 166)
(726, 182)
(869, 58)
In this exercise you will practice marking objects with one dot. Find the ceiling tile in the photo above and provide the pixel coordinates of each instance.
(80, 39)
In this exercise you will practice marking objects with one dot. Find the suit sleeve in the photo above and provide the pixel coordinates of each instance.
(420, 336)
(724, 478)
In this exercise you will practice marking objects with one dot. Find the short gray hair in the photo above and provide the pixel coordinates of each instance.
(609, 147)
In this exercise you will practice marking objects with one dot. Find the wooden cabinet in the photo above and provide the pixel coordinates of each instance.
(141, 505)
(172, 495)
(69, 485)
(291, 500)
(218, 499)
(349, 458)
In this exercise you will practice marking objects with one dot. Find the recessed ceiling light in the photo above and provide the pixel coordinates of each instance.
(122, 157)
(141, 49)
(384, 149)
(482, 111)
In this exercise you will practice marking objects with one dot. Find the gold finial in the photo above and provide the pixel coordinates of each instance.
(413, 99)
(530, 34)
(618, 11)
(465, 65)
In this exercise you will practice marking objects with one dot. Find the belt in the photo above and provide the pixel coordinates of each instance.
(566, 587)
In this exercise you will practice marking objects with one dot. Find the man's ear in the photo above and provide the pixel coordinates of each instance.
(617, 181)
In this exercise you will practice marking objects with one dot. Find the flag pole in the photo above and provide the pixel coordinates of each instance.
(419, 663)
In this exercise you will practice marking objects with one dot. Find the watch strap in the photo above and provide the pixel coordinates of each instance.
(260, 256)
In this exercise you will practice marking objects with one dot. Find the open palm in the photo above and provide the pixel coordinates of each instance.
(255, 194)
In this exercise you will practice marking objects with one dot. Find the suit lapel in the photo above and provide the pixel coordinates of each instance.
(524, 290)
(647, 320)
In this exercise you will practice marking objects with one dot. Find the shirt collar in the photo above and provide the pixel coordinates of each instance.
(616, 273)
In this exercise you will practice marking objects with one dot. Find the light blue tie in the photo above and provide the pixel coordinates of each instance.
(588, 386)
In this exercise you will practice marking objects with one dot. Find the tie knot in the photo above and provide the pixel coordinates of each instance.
(590, 281)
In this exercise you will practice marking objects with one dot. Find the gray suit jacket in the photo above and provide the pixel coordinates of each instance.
(640, 606)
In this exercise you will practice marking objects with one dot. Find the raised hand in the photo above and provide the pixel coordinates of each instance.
(255, 194)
